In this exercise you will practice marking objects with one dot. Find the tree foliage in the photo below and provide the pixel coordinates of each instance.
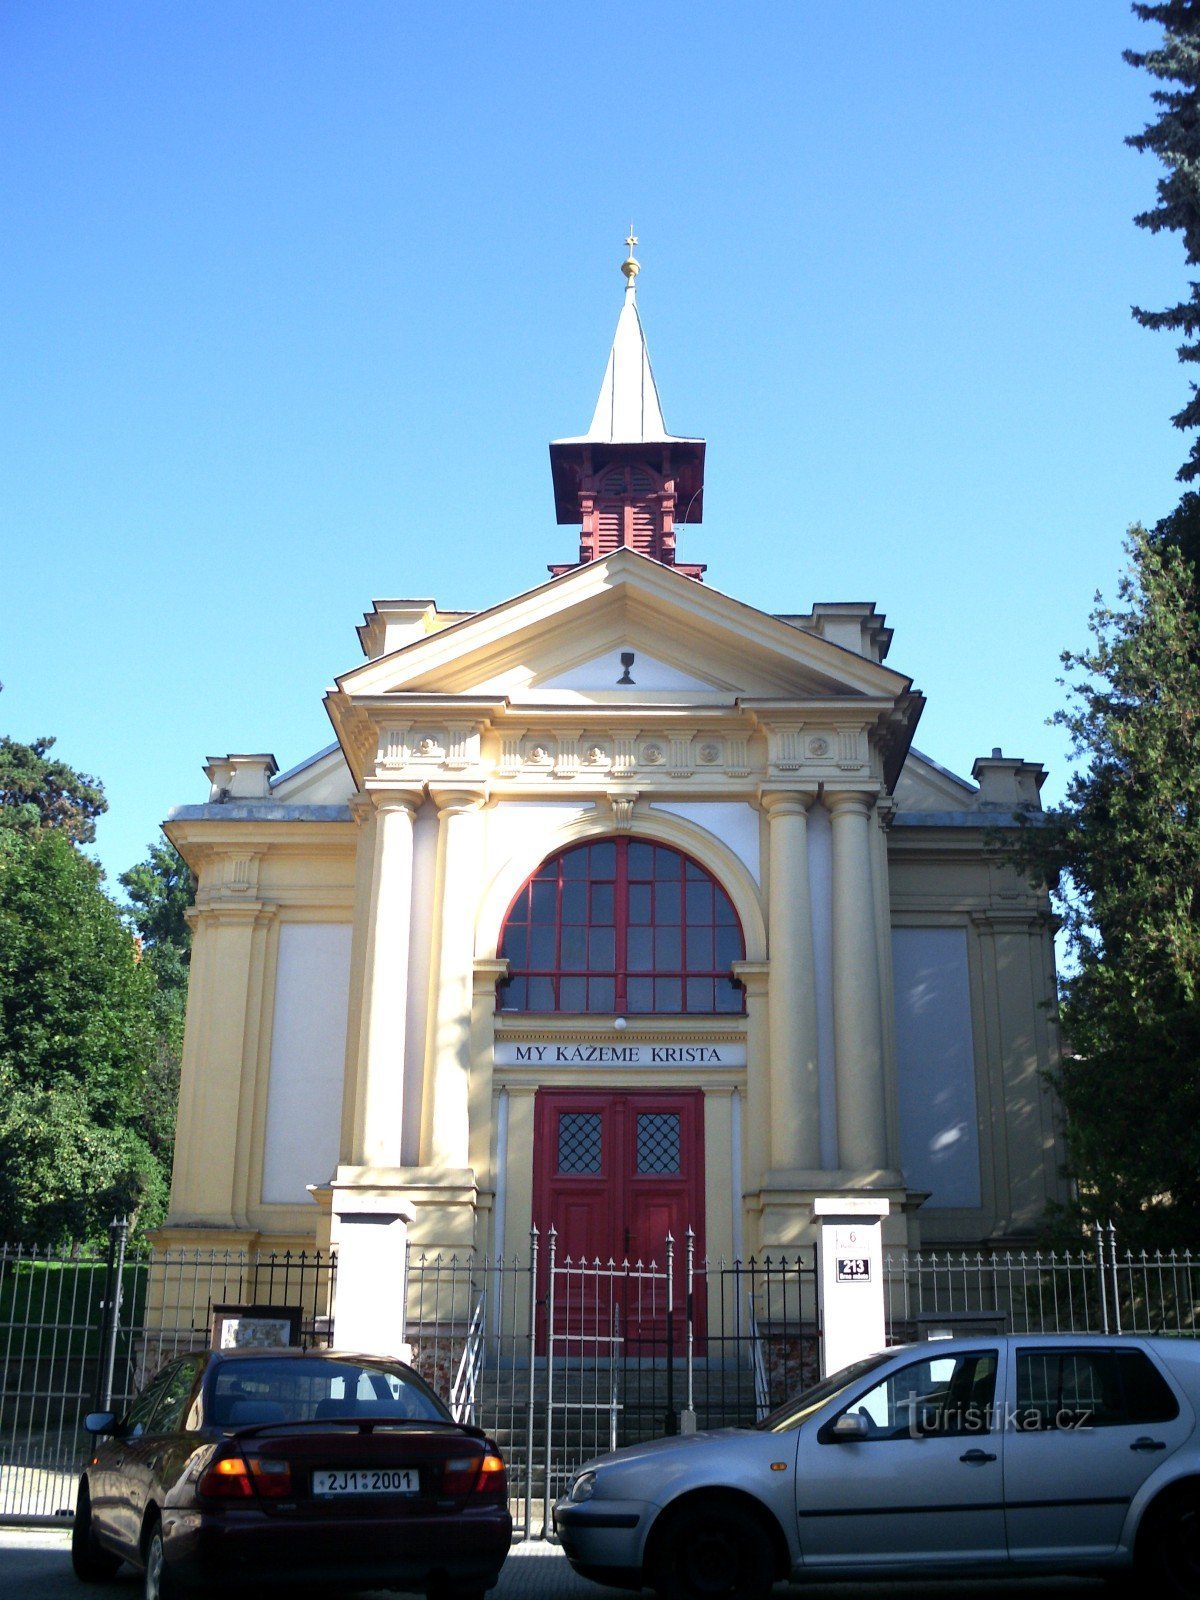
(1174, 136)
(39, 792)
(78, 1014)
(161, 889)
(1127, 845)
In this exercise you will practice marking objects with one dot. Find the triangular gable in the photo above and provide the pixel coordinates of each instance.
(324, 779)
(924, 785)
(552, 636)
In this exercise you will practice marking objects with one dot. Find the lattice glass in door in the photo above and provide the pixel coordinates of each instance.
(579, 1141)
(658, 1143)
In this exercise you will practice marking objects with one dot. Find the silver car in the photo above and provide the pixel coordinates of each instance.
(999, 1456)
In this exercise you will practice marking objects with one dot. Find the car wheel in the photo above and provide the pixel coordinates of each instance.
(1169, 1546)
(713, 1551)
(159, 1584)
(92, 1564)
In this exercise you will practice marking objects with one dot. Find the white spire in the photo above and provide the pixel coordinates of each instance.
(628, 411)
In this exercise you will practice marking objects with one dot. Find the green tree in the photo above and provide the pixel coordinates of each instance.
(160, 891)
(1127, 845)
(1174, 136)
(77, 1030)
(38, 792)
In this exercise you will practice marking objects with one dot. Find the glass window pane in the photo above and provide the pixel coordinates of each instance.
(604, 859)
(693, 871)
(666, 902)
(544, 901)
(541, 949)
(640, 994)
(700, 950)
(658, 1143)
(726, 916)
(572, 994)
(602, 905)
(1147, 1395)
(579, 1141)
(699, 903)
(668, 867)
(602, 994)
(602, 949)
(574, 902)
(573, 949)
(514, 946)
(700, 994)
(729, 948)
(641, 859)
(574, 863)
(668, 955)
(513, 995)
(668, 994)
(541, 994)
(729, 996)
(639, 902)
(639, 950)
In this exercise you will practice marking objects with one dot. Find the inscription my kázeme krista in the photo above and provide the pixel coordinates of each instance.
(571, 1053)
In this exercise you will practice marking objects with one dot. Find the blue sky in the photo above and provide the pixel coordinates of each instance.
(292, 297)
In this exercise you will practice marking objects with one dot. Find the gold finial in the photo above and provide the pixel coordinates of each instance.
(629, 266)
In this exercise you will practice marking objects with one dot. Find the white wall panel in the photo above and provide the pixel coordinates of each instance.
(308, 1048)
(935, 1065)
(734, 822)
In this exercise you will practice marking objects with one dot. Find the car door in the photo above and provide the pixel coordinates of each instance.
(1088, 1425)
(111, 1512)
(149, 1444)
(923, 1484)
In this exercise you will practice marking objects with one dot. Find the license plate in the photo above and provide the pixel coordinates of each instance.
(364, 1480)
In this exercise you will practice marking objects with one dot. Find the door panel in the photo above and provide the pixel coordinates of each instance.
(614, 1174)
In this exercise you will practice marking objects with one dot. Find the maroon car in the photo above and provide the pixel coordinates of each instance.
(291, 1467)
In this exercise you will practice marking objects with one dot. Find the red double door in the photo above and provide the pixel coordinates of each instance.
(614, 1173)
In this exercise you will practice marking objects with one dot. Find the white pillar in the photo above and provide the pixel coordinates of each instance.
(850, 1268)
(857, 1029)
(378, 1118)
(459, 868)
(792, 1010)
(370, 1232)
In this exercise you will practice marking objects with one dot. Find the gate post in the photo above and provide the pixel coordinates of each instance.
(670, 1420)
(850, 1277)
(118, 1232)
(547, 1493)
(529, 1403)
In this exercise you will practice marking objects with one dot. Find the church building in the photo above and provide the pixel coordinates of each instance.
(620, 906)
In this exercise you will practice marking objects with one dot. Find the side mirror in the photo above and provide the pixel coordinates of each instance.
(101, 1422)
(848, 1427)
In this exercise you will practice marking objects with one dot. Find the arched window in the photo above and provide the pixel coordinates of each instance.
(621, 925)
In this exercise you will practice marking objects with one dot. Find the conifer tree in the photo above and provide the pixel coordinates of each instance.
(1174, 136)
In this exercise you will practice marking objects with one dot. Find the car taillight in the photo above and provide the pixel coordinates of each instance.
(475, 1475)
(235, 1478)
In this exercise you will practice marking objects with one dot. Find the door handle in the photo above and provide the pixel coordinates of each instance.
(976, 1458)
(1145, 1443)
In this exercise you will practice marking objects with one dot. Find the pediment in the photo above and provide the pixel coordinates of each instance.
(563, 643)
(324, 779)
(923, 785)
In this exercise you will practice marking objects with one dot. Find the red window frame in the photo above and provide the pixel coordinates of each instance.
(621, 925)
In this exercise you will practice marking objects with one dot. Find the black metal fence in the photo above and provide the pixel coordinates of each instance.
(82, 1330)
(562, 1358)
(558, 1358)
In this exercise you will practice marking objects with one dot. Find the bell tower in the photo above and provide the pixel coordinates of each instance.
(627, 481)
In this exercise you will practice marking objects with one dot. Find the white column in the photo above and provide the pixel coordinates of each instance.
(795, 1088)
(857, 1031)
(460, 862)
(378, 1121)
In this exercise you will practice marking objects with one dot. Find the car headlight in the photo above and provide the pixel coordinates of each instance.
(583, 1487)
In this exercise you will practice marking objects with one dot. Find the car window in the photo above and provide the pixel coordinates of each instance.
(315, 1388)
(168, 1412)
(1062, 1389)
(141, 1409)
(940, 1394)
(793, 1412)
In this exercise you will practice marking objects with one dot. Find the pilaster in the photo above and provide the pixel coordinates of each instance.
(857, 1023)
(795, 1088)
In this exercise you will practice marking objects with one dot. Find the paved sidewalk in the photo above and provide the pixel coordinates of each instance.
(35, 1564)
